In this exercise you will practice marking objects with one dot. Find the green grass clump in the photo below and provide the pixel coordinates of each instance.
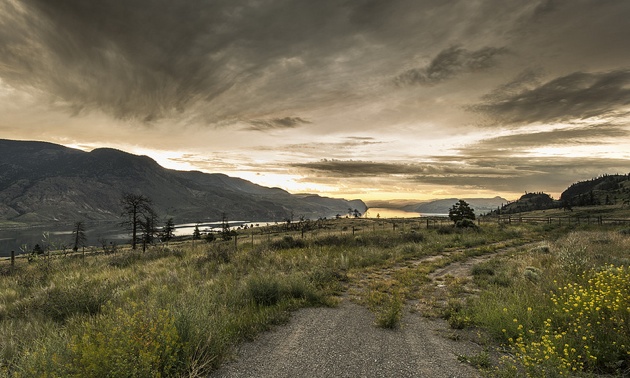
(389, 313)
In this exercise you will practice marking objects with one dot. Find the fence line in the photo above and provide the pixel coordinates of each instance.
(567, 220)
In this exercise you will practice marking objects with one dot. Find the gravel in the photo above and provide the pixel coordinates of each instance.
(344, 342)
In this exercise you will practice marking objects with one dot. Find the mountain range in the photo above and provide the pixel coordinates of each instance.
(42, 182)
(442, 206)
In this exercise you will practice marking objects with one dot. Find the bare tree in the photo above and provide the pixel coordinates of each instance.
(148, 226)
(78, 236)
(137, 209)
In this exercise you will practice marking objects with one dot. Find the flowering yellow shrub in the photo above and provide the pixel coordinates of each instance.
(588, 328)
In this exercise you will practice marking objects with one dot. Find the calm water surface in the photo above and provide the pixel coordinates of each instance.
(383, 212)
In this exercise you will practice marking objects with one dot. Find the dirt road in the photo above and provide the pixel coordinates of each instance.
(344, 342)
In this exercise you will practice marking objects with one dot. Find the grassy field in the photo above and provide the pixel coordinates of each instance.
(181, 309)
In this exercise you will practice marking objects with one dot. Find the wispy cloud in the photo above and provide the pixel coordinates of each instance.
(276, 123)
(579, 95)
(450, 63)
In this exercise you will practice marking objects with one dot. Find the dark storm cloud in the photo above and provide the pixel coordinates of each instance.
(450, 63)
(216, 60)
(148, 59)
(579, 95)
(276, 123)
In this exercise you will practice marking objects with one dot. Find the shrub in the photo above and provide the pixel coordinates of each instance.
(413, 237)
(483, 269)
(264, 290)
(533, 274)
(137, 342)
(587, 331)
(466, 223)
(445, 230)
(288, 242)
(62, 302)
(542, 249)
(220, 253)
(573, 255)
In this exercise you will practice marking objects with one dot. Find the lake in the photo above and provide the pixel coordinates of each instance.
(17, 239)
(383, 212)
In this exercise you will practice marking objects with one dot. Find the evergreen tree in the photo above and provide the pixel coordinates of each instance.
(460, 211)
(168, 230)
(196, 233)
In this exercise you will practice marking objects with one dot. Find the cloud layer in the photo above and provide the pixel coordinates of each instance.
(413, 96)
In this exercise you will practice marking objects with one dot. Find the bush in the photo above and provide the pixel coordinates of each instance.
(413, 237)
(220, 253)
(134, 343)
(288, 242)
(60, 303)
(210, 237)
(587, 331)
(137, 342)
(445, 230)
(466, 223)
(265, 291)
(483, 269)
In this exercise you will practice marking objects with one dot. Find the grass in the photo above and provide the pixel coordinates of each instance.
(564, 309)
(181, 310)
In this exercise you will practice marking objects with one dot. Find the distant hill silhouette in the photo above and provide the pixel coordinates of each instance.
(529, 202)
(43, 182)
(480, 205)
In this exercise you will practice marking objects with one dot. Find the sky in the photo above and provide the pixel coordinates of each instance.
(370, 99)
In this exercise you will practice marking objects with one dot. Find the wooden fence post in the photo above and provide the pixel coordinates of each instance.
(12, 258)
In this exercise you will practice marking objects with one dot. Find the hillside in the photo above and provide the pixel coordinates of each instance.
(604, 190)
(43, 182)
(530, 202)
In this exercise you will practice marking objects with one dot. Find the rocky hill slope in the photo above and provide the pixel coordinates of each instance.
(43, 182)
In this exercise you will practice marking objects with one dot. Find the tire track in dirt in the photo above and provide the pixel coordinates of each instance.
(344, 341)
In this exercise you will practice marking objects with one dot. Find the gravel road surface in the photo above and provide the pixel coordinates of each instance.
(344, 342)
